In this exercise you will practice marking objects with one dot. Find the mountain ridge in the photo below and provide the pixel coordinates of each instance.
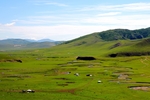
(19, 44)
(118, 34)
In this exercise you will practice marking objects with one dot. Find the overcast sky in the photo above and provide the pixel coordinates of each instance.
(69, 19)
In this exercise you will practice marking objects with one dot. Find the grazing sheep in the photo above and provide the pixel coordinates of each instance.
(28, 91)
(77, 74)
(89, 75)
(99, 81)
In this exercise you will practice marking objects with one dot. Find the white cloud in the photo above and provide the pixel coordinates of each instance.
(56, 4)
(109, 14)
(136, 6)
(50, 20)
(127, 20)
(46, 2)
(123, 7)
(10, 24)
(87, 20)
(59, 32)
(103, 14)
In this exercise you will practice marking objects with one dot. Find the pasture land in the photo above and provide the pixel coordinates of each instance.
(52, 77)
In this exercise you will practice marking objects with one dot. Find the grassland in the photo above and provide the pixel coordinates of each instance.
(51, 72)
(46, 72)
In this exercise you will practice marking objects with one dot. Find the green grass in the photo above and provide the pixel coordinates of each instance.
(45, 71)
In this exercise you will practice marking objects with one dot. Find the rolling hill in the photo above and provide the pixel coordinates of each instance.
(19, 44)
(118, 42)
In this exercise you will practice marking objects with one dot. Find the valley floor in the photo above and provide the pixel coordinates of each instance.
(65, 78)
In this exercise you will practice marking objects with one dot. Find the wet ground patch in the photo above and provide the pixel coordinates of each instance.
(62, 85)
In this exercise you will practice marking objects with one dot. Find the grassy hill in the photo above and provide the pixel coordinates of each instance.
(117, 34)
(122, 42)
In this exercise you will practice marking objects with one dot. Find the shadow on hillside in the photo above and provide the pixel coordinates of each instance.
(129, 54)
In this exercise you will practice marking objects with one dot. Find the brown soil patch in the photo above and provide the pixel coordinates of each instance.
(143, 88)
(123, 76)
(72, 91)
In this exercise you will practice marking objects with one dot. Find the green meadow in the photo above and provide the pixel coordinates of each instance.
(55, 73)
(50, 74)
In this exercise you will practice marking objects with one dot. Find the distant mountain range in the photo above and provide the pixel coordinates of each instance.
(18, 44)
(42, 40)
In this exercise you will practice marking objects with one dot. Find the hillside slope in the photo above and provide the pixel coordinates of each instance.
(117, 34)
(122, 42)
